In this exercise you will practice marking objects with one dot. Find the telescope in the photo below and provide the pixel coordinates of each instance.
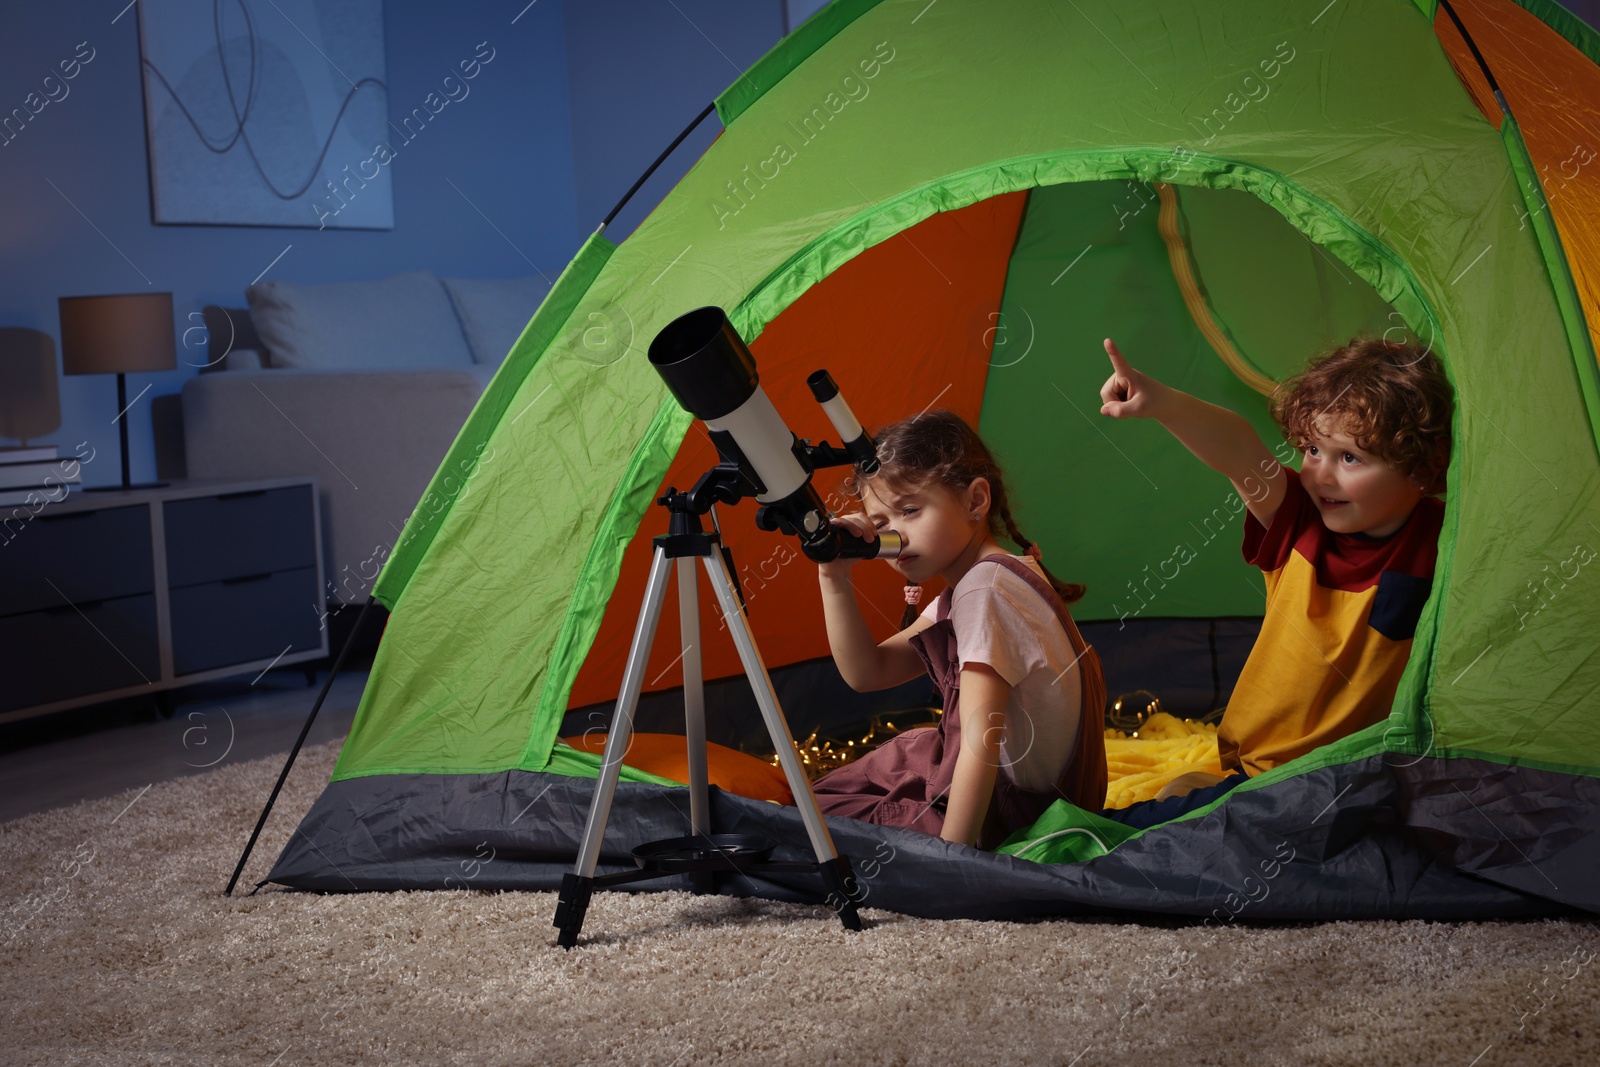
(708, 368)
(711, 372)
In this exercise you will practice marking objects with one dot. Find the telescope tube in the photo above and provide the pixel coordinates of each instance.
(711, 372)
(713, 375)
(857, 444)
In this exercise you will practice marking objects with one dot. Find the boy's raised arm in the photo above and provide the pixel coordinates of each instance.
(1219, 438)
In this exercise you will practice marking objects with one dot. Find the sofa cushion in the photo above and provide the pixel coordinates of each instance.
(404, 322)
(231, 340)
(494, 311)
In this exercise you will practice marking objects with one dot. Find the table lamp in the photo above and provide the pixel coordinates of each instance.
(118, 335)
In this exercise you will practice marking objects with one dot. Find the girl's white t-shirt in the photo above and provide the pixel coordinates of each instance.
(1001, 621)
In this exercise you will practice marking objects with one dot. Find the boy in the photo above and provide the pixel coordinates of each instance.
(1347, 544)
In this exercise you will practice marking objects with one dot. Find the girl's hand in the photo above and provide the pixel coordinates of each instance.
(856, 523)
(1128, 394)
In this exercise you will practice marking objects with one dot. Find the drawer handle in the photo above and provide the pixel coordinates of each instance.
(58, 517)
(263, 576)
(241, 493)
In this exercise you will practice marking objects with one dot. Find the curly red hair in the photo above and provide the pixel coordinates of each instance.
(1393, 398)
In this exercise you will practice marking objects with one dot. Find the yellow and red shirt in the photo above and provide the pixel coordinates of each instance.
(1341, 613)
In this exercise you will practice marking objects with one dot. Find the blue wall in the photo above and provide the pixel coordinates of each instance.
(639, 71)
(507, 145)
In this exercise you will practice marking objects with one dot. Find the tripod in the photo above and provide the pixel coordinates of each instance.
(701, 853)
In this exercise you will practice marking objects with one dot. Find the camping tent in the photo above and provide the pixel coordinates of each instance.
(951, 204)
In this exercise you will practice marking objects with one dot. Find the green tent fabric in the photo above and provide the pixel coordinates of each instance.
(1358, 167)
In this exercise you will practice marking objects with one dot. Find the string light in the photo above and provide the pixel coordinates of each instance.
(819, 755)
(1126, 717)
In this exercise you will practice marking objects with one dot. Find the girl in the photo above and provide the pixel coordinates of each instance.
(1023, 694)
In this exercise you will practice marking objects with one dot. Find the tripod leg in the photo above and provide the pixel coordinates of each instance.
(573, 901)
(694, 694)
(694, 712)
(840, 882)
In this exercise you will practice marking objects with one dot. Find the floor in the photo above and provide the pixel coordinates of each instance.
(104, 749)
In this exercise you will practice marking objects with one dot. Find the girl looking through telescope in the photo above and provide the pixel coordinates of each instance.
(1023, 693)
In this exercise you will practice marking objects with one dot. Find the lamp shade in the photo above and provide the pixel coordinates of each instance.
(30, 403)
(117, 334)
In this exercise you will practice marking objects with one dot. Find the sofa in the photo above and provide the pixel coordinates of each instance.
(363, 384)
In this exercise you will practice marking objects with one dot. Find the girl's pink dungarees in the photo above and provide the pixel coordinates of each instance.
(906, 780)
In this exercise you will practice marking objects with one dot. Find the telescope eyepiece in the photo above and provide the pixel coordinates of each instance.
(822, 386)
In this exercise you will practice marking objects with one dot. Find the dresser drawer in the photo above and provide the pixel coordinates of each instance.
(87, 555)
(70, 651)
(239, 620)
(236, 535)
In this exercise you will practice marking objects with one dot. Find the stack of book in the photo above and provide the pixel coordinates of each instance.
(36, 474)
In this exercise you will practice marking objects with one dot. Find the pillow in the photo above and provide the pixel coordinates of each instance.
(667, 755)
(404, 322)
(494, 311)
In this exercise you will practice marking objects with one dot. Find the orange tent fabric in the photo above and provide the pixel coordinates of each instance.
(1554, 91)
(927, 298)
(667, 756)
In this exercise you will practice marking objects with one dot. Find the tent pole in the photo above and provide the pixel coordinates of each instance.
(652, 169)
(349, 642)
(1483, 64)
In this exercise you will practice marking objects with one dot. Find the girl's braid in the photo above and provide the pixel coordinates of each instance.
(940, 448)
(909, 616)
(1070, 592)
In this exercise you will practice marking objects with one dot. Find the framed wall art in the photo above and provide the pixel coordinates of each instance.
(266, 112)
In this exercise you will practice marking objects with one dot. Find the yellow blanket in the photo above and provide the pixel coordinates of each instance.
(1140, 763)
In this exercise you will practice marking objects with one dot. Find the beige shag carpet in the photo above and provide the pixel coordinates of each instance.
(118, 948)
